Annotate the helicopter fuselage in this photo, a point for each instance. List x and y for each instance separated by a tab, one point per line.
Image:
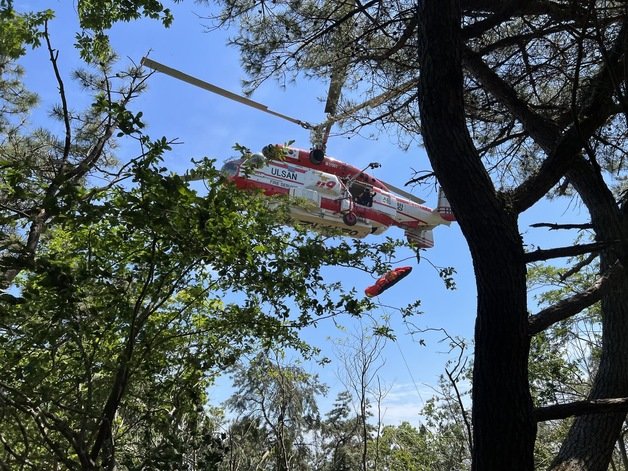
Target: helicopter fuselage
335	195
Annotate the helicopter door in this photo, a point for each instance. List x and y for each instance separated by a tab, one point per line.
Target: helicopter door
365	195
362	194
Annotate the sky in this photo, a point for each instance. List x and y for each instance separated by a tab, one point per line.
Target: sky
209	125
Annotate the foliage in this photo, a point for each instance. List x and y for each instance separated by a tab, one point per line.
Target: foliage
404	448
341	439
15	100
276	403
534	95
285	39
444	427
564	357
20	30
123	302
98	16
44	174
127	291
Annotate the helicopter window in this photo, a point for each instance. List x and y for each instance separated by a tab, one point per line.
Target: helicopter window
252	162
256	161
230	169
362	194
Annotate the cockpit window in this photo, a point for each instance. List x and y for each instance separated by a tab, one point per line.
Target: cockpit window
230	169
252	162
256	161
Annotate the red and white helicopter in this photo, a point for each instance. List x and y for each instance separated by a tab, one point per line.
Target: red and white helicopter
328	193
334	194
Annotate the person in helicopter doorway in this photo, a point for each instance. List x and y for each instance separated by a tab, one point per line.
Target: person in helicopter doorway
366	197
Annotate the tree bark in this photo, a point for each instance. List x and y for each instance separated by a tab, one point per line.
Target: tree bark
504	428
590	441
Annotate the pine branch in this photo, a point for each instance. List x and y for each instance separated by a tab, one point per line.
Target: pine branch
561	147
505	10
570	307
571	251
502	13
578	408
554	226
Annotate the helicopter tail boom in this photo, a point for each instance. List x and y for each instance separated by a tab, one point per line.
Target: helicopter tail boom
443	207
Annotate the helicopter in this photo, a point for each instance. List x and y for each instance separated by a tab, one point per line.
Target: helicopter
326	193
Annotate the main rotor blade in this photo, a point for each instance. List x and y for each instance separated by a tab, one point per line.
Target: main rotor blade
220	91
371	103
404	193
338	77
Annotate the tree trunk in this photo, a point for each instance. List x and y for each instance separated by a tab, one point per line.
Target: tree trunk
590	441
622	451
503	425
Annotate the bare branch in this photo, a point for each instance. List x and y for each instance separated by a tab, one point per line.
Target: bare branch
578	408
64	104
554	226
571	251
579	266
454	384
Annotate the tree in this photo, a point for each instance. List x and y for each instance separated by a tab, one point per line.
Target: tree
342	444
517	100
513	97
247	445
404	448
279	402
114	319
360	353
562	150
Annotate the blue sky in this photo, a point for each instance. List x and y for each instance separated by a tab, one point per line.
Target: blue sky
209	125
